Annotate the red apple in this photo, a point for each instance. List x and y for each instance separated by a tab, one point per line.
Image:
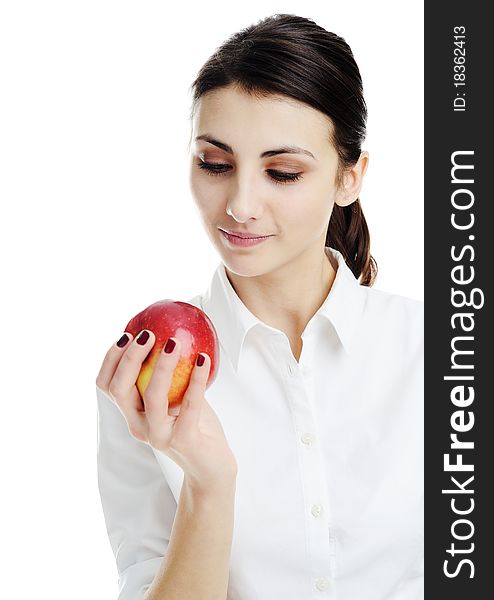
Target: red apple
196	333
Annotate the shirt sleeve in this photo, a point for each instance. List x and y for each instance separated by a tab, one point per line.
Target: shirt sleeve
138	505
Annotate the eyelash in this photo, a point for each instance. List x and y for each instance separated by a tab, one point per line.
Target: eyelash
278	177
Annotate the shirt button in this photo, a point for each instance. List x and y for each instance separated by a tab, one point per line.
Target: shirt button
291	369
316	510
307	438
322	584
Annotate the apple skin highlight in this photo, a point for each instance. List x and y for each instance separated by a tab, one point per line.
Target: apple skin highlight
195	332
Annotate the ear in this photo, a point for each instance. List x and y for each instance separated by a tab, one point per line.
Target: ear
352	181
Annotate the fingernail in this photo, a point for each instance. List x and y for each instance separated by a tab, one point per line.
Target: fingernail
123	340
200	360
143	337
170	344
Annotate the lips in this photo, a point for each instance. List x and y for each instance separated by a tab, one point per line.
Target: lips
245	236
235	241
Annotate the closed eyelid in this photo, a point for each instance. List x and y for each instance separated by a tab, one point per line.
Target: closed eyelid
276	164
291	169
278	177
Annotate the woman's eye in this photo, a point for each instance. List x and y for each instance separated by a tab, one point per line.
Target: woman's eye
276	176
282	177
213	168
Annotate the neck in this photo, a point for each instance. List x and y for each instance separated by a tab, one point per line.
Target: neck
288	297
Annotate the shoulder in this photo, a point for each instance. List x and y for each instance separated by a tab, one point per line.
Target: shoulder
397	319
391	305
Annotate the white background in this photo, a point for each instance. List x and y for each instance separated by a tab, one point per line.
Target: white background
98	222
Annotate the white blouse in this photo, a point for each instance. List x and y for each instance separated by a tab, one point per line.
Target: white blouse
329	493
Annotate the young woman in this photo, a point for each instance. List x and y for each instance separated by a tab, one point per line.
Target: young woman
300	475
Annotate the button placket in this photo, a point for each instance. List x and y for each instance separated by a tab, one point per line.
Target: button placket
300	395
322	520
314	483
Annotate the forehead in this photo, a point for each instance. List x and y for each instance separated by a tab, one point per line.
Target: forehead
238	118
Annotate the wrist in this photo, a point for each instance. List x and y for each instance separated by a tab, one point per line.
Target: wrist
219	489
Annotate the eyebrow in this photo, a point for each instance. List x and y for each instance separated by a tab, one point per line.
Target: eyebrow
281	150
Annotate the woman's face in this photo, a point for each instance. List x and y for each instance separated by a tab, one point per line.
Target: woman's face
245	186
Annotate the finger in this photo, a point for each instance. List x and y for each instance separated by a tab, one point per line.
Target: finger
122	386
130	364
111	360
193	399
156	394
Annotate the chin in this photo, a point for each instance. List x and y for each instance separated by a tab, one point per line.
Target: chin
239	267
244	266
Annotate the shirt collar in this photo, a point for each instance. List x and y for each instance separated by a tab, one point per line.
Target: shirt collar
342	307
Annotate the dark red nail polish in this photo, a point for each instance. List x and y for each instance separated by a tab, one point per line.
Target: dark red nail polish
143	337
200	360
123	340
170	344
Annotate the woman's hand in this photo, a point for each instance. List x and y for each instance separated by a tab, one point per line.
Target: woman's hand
194	438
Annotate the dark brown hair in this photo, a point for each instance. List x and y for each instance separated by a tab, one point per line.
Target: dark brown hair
291	55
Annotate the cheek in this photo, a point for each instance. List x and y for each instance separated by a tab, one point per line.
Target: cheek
207	198
195	186
307	212
320	202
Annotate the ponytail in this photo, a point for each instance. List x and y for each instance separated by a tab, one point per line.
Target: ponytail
348	233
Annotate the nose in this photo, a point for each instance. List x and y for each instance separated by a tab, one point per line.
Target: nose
243	203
